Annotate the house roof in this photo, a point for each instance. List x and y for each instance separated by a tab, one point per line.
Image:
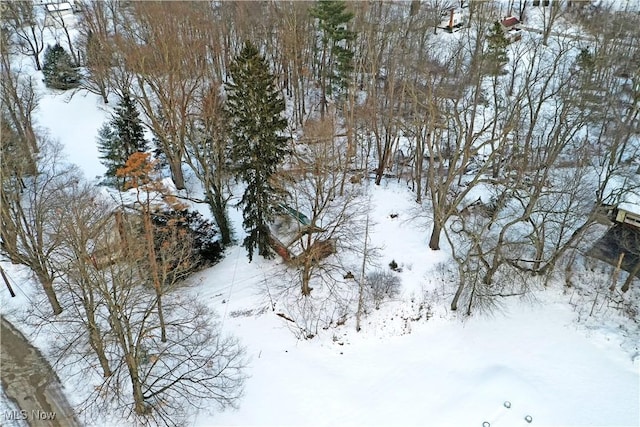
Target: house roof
510	21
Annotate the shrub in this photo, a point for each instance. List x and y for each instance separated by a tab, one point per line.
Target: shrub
382	284
189	234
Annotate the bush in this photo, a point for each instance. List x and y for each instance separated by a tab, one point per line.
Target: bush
189	234
58	69
382	284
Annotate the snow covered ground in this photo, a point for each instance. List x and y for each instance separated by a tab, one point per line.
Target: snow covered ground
413	362
436	371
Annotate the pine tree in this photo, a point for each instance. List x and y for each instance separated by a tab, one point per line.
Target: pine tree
497	44
335	61
254	109
118	139
58	69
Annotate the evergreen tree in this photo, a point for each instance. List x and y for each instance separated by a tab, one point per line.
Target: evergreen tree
254	109
118	139
497	44
335	59
585	67
58	69
585	60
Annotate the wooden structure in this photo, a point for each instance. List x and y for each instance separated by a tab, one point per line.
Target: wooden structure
620	245
511	28
625	217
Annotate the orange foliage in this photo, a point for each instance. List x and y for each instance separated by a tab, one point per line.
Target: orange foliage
137	170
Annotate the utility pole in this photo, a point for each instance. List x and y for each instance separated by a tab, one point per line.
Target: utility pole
6	281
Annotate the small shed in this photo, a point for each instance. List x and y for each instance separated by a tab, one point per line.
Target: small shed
620	245
511	28
625	217
510	22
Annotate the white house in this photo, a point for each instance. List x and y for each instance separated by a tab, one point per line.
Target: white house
453	19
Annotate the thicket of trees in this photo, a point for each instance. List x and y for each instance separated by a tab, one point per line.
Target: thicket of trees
303	103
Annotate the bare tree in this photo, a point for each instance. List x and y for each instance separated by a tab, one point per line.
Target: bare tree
96	36
26	24
333	220
19	101
170	67
544	200
206	150
551	13
89	241
156	382
32	214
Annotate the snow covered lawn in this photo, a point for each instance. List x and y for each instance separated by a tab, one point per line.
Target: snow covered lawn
443	373
436	372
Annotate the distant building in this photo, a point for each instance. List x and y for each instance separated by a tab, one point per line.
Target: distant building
511	28
61	7
58	12
453	19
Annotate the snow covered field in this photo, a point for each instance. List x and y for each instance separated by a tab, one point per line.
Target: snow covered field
414	362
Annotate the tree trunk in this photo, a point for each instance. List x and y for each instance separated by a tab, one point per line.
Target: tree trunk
219	211
175	164
36	58
418	165
456	297
140	407
47	285
434	241
6	282
306	278
154	272
95	341
362	272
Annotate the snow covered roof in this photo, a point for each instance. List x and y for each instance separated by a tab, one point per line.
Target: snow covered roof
59	7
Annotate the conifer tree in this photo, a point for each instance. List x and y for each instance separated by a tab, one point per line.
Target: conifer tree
254	109
58	69
334	57
497	44
118	139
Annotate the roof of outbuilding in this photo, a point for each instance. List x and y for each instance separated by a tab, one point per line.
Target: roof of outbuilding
510	21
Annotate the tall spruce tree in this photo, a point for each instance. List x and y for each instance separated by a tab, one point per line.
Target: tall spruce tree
496	54
118	139
334	58
254	109
58	69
